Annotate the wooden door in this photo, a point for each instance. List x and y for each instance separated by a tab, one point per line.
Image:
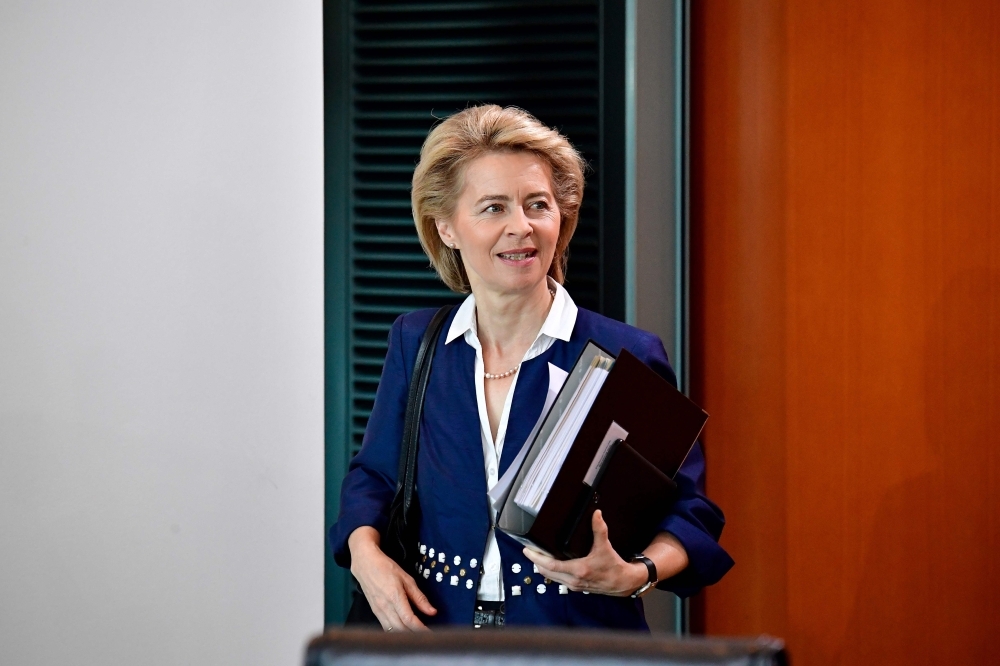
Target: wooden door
846	304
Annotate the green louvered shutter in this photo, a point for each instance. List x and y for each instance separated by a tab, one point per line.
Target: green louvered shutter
393	70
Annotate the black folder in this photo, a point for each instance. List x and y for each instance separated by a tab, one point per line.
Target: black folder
634	486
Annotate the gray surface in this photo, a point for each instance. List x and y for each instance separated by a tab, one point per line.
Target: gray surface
657	273
543	646
539	660
161	349
656	223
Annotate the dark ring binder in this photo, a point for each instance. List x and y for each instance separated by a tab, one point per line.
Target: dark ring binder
633	488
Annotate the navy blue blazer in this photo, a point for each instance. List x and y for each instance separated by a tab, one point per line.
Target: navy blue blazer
451	481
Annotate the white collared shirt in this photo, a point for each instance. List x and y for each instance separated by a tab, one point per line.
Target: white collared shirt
558	325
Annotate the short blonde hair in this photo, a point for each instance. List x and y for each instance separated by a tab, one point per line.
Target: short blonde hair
477	131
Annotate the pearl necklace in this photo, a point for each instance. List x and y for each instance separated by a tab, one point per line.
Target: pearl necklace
490	375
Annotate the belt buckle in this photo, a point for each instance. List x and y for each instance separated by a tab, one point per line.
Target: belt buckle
488	618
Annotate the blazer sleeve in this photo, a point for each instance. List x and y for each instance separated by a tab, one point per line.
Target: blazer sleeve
370	484
694	519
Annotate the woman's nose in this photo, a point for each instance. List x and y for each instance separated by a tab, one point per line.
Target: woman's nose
518	223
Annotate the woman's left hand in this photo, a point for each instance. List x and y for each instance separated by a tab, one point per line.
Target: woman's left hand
602	571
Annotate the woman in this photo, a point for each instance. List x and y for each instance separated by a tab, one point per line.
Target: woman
495	198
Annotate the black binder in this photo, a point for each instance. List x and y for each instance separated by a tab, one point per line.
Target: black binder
634	486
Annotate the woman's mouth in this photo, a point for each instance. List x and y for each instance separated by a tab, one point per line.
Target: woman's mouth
518	257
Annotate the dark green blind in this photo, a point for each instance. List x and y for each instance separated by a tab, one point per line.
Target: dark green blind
393	69
412	63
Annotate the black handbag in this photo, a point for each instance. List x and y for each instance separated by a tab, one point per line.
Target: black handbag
399	540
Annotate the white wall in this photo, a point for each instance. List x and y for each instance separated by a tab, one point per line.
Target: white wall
161	331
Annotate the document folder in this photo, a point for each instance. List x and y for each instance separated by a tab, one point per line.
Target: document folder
632	436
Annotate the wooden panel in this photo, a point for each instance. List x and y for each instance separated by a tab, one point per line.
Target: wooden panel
738	285
847	262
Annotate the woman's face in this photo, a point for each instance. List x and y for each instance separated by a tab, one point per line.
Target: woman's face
506	222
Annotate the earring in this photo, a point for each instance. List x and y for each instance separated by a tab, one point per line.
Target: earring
451	245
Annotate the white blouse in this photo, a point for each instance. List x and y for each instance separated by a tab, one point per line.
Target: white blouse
558	325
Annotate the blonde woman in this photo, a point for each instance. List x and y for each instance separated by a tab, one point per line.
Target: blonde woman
495	198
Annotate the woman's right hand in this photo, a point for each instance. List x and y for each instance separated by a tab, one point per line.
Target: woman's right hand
388	588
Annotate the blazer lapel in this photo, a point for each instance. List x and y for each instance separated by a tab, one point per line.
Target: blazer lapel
466	408
526	406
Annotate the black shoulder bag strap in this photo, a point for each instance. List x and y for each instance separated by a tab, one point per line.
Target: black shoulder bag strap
400	541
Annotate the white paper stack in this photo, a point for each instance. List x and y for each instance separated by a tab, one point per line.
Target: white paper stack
536	485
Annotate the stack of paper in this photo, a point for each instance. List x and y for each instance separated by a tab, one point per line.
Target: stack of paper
536	485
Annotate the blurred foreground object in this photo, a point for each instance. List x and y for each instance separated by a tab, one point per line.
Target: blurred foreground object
523	646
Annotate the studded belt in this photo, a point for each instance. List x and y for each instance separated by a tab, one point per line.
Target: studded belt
489	615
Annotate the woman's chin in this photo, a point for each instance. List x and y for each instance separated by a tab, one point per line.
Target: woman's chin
524	285
502	278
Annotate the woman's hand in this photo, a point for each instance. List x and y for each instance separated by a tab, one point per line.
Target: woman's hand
603	571
388	588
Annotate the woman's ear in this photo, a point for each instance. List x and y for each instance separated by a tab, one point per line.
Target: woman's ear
445	232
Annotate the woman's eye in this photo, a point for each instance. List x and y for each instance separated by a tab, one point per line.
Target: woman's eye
493	208
539	205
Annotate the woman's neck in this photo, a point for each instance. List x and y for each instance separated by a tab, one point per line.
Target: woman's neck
506	321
